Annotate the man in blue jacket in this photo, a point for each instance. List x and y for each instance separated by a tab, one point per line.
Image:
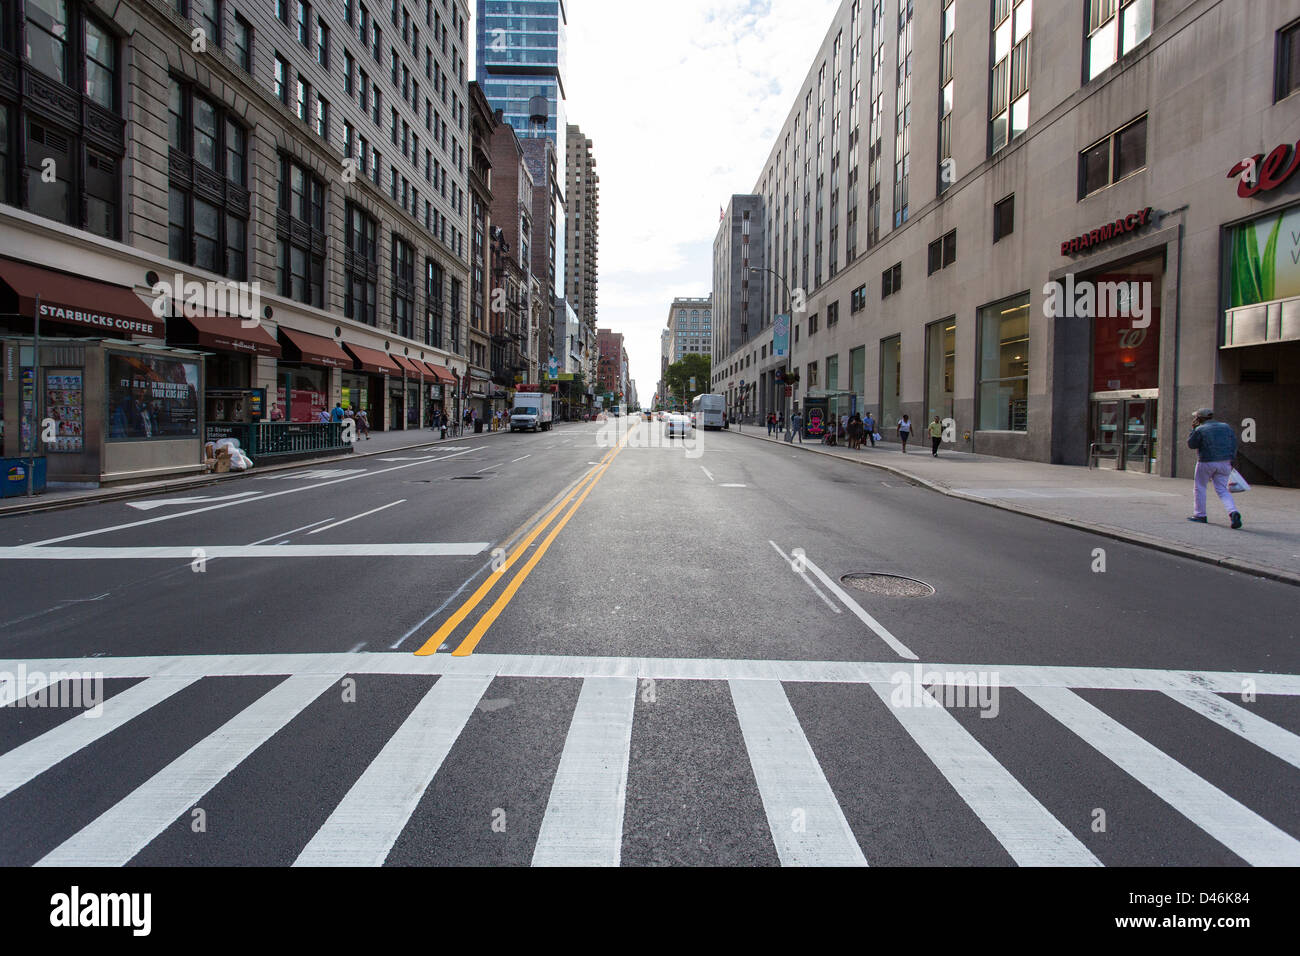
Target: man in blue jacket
1216	446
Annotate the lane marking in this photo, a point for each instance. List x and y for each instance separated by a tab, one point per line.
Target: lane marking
1233	824
210	551
1244	723
426	458
131	824
367	822
732	486
520	459
431	645
441	607
285	534
481	627
363	514
230	504
313	474
164	502
1024	827
488	468
28	761
706	471
583	824
806	580
881	631
807	824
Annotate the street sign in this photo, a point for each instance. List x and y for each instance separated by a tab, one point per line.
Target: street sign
692	383
781	335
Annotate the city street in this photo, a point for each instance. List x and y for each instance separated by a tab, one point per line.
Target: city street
597	646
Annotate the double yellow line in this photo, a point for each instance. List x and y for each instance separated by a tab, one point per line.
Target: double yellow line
466	647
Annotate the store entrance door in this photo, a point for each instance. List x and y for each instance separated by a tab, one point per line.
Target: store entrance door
1124	434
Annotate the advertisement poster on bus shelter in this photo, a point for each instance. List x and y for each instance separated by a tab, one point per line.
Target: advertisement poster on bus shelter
814	417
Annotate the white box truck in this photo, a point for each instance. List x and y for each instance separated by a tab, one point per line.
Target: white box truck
532	410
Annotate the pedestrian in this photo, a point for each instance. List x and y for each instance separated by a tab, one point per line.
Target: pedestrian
855	431
336	414
1216	447
869	429
771	424
936	436
796	423
325	416
363	423
904	431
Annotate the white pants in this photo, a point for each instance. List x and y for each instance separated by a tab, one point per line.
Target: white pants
1217	472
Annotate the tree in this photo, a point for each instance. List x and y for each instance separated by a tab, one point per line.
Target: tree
680	374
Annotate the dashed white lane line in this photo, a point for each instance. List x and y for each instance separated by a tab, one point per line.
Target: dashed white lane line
285	534
732	486
806	580
520	459
363	514
210	551
706	471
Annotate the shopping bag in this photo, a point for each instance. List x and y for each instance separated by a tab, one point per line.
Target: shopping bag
877	437
1236	483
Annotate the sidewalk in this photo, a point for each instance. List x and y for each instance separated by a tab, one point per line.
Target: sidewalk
379	443
1139	508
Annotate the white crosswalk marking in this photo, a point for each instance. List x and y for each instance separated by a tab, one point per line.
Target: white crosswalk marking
28	760
583	825
1021	824
1237	827
127	827
364	826
808	826
1249	726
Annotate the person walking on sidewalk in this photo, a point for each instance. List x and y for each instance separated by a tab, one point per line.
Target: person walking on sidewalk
904	431
363	423
1216	447
771	424
869	429
936	436
796	427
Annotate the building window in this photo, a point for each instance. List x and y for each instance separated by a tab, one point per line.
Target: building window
1004	217
207	15
322	43
947	89
301	266
832	314
241	44
455	316
301	97
1003	363
1288	61
207	218
812	375
322	118
403	288
891	280
812	324
1009	90
304	28
1115	28
1119	155
943	252
858	300
360	265
281	80
433	315
282	11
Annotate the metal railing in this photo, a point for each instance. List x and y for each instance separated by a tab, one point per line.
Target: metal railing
269	439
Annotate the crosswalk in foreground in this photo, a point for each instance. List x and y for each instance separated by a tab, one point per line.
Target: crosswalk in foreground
583	822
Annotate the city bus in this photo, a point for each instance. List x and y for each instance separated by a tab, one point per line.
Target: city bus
707	411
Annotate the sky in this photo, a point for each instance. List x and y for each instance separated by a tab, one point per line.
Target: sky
682	100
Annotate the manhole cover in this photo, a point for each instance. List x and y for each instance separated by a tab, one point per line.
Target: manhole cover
889	585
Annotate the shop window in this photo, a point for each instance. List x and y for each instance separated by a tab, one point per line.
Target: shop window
1115	28
1003	364
1119	155
301	263
361	265
1288	61
1004	217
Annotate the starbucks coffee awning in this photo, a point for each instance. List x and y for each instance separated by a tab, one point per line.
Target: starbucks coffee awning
314	349
373	360
227	334
87	304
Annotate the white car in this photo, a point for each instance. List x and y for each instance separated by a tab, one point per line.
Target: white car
678	425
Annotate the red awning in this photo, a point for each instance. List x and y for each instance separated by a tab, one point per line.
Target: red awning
373	360
91	305
227	333
406	364
441	373
316	349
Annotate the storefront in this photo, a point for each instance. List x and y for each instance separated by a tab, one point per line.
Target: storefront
230	394
363	389
303	375
404	402
439	391
480	395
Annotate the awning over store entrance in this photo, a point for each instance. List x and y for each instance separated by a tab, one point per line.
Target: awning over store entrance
373	360
441	373
314	349
408	365
88	304
227	333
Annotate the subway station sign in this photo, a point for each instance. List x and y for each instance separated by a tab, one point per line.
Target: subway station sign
1107	233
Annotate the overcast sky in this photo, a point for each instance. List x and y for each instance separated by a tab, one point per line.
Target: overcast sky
682	100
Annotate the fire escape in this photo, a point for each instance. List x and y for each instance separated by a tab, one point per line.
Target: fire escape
508	325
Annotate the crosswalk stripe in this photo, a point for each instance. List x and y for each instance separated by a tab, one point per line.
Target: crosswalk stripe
29	760
807	824
583	825
1012	814
364	826
126	828
1236	826
1250	726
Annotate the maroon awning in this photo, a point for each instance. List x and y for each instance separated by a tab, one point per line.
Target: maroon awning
373	360
227	334
91	305
441	373
316	349
408	365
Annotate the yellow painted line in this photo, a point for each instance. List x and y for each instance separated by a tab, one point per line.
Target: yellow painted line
433	643
467	646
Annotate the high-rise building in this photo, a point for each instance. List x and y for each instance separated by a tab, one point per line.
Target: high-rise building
690	327
582	240
610	364
738	295
485	355
314	155
512	215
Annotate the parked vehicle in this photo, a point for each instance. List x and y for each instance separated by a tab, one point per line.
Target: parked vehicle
534	411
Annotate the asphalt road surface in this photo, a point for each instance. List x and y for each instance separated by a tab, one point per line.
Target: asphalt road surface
596	646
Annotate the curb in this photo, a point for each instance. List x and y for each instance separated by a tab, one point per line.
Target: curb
1117	534
203	481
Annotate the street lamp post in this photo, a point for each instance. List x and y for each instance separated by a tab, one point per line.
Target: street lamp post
790	342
